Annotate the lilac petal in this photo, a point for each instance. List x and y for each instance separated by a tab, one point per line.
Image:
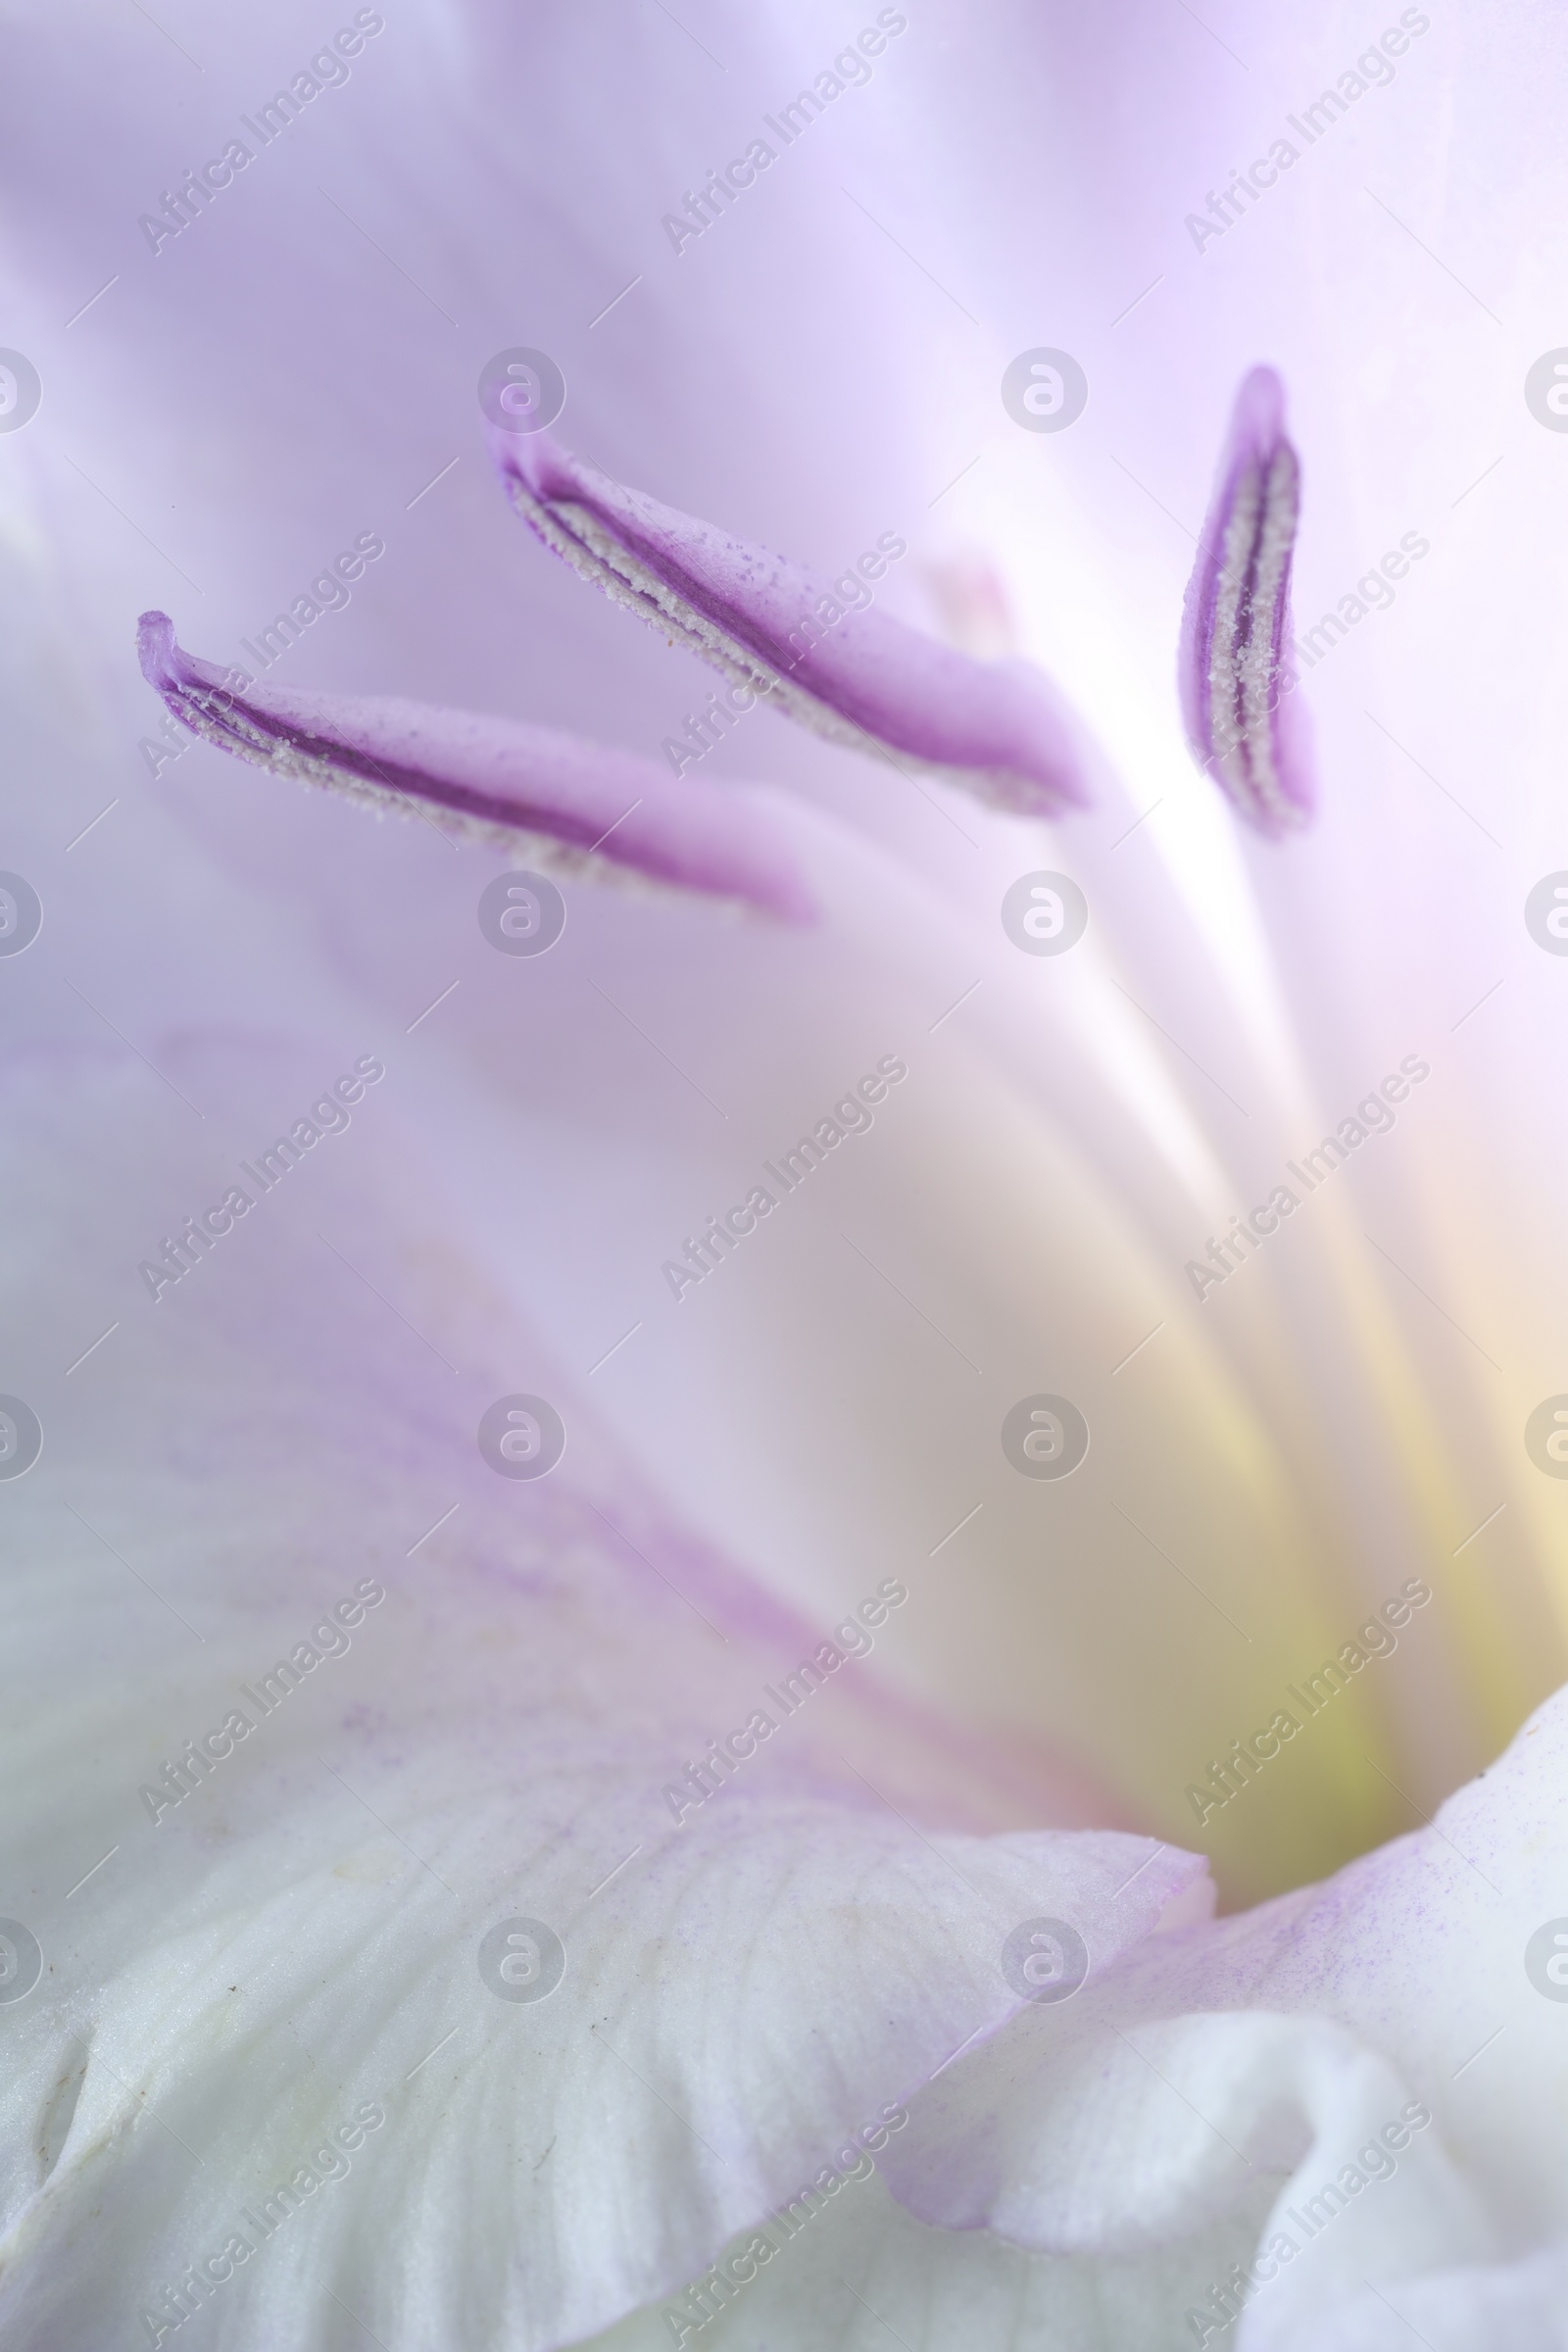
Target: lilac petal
760	1957
1242	724
774	629
576	805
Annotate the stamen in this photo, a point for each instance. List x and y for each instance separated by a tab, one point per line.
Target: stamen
570	806
1243	724
821	652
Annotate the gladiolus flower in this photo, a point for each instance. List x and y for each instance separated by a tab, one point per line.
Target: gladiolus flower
839	1628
